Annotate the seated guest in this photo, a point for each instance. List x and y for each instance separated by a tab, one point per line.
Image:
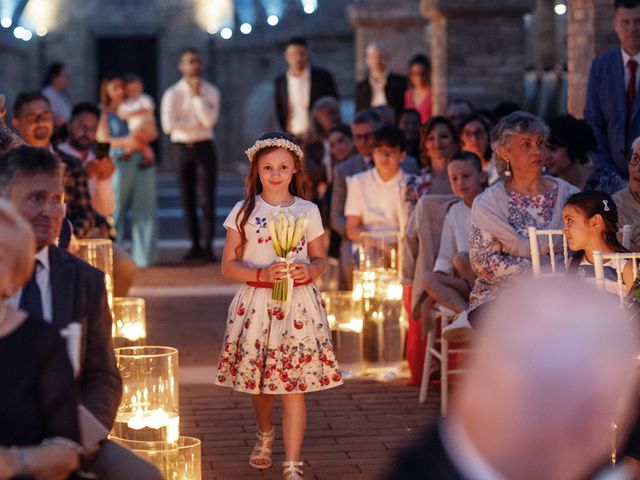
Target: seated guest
419	96
555	364
438	143
381	87
374	197
409	123
450	282
325	114
570	142
590	222
33	120
81	129
628	199
474	138
500	217
457	111
64	290
39	433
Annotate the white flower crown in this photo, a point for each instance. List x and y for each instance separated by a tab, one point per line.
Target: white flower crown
273	142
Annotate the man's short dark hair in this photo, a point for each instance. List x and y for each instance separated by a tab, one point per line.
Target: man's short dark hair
389	136
368	115
470	157
410	111
55	69
84	107
626	4
301	41
26	160
132	77
186	50
27	97
343	128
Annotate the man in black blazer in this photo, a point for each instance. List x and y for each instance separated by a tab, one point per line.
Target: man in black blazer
547	377
69	290
381	87
299	87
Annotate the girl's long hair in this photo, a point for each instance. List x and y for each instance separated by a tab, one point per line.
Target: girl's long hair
592	203
299	187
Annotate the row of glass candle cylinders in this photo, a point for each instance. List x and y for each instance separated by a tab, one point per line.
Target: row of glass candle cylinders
368	325
148	418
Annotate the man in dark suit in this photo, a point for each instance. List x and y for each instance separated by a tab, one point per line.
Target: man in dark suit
299	87
612	106
64	289
381	87
538	398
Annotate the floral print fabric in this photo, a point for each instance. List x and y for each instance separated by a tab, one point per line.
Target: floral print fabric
496	269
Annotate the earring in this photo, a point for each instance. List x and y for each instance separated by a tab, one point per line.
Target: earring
507	172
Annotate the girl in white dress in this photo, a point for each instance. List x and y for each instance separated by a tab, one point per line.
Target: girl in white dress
590	221
267	350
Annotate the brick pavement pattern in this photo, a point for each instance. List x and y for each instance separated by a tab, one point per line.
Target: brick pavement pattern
354	431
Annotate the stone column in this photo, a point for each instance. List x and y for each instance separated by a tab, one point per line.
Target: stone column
590	33
477	50
395	23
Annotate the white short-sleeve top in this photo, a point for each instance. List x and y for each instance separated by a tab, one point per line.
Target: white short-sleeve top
259	251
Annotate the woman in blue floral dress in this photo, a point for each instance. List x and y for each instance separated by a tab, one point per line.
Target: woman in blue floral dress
498	240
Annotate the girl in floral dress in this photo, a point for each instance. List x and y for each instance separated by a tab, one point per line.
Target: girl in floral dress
269	350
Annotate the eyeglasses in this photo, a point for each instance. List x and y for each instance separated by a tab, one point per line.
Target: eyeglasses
634	160
38	117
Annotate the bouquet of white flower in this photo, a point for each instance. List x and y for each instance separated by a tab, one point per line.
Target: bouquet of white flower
285	231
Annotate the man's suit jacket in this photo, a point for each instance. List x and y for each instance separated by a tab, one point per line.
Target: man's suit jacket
322	84
606	112
425	460
79	295
394	91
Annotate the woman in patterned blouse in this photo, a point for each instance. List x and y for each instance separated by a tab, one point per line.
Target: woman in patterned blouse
498	241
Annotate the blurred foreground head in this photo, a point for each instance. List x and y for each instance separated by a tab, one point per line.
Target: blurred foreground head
553	368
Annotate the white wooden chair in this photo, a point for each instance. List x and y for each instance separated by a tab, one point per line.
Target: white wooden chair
442	316
617	260
534	233
73	336
625	232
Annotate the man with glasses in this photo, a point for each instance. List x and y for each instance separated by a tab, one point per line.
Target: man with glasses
33	120
612	105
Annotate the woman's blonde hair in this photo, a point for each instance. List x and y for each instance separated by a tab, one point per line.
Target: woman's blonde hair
22	247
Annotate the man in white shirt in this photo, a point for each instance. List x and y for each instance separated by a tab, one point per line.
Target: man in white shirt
381	87
551	372
81	129
189	113
297	90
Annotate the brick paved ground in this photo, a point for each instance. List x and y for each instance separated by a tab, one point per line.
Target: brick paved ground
353	431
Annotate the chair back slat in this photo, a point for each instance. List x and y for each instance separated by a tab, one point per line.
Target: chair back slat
619	259
534	233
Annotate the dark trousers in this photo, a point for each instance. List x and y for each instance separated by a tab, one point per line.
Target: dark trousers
197	170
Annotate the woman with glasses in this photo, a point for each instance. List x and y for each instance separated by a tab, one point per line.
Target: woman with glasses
628	199
474	138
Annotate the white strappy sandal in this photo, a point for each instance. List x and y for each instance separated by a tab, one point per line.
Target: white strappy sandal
292	470
261	453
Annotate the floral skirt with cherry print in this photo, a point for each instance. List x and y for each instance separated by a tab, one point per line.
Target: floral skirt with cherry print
266	352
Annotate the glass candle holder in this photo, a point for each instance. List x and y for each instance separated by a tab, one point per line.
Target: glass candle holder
149	408
379	249
345	318
180	460
129	321
98	253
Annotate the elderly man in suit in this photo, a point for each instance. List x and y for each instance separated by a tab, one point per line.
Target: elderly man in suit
64	289
612	105
538	398
381	87
298	89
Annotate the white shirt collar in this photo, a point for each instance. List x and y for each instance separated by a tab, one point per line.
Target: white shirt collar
383	82
626	57
306	74
463	453
397	178
43	257
69	150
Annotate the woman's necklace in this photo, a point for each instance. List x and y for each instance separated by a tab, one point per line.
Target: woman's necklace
635	196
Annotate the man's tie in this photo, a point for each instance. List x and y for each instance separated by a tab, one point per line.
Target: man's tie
31	299
631	87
